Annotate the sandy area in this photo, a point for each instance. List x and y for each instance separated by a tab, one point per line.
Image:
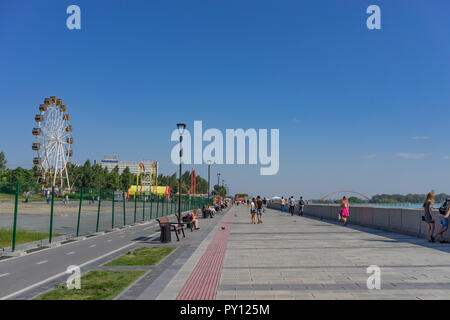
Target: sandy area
44	208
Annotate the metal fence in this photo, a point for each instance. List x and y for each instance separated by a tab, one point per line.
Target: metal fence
30	214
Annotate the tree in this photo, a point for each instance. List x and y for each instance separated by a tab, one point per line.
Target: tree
221	190
113	179
86	178
100	175
96	177
202	185
26	179
2	162
355	200
173	183
126	179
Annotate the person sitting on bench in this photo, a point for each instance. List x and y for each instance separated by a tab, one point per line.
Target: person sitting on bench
195	218
212	212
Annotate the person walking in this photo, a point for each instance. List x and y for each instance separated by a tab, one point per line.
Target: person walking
259	208
253	211
301	206
345	210
291	205
428	216
283	202
264	204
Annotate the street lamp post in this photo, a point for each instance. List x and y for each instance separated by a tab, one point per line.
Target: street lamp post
209	184
218	179
181	127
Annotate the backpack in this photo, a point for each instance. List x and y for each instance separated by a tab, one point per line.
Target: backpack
301	202
445	207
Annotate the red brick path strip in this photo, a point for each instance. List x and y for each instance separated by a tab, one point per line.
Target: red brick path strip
203	282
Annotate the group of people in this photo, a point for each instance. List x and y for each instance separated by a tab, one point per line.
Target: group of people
48	197
257	207
291	203
343	210
209	211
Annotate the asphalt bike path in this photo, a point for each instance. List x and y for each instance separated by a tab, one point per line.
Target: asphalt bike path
19	274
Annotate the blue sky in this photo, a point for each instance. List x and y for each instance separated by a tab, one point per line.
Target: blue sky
357	109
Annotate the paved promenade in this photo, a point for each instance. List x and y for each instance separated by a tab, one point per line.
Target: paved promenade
305	258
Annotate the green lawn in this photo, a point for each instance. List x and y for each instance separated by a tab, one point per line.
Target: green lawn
95	285
22	236
144	256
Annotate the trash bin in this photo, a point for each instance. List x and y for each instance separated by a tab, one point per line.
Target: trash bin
165	233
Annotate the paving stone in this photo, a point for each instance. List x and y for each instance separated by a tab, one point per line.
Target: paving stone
303	258
312	259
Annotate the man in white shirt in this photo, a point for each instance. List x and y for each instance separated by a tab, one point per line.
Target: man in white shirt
291	205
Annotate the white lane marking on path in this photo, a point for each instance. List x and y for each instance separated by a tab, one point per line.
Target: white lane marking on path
109	240
71	252
91	246
42	262
50	248
4	275
63	273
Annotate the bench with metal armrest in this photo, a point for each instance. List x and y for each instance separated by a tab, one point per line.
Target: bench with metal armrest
174	226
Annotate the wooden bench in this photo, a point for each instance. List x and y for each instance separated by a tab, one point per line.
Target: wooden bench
189	223
174	226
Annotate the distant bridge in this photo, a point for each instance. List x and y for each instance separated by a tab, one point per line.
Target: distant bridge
345	191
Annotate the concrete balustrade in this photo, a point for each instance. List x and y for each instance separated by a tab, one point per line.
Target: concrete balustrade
404	221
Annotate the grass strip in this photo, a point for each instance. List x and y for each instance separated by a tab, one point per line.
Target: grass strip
95	285
143	256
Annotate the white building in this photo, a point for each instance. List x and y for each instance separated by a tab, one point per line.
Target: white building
110	162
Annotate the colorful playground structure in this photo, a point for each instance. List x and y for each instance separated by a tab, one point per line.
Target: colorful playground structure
147	183
160	191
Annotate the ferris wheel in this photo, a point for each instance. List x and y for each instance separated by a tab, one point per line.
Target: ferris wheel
53	144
